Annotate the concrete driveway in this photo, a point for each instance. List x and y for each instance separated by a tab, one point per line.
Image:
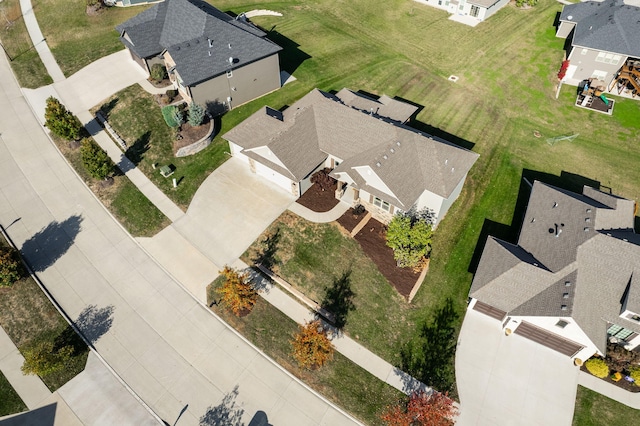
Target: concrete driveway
99	80
230	210
510	380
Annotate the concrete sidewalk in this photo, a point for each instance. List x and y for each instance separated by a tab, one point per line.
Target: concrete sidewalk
39	42
30	388
324	217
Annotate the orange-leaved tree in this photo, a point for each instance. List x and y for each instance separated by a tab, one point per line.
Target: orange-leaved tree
434	409
311	346
236	292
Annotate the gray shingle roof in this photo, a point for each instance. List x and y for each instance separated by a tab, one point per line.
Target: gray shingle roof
598	266
321	123
384	106
609	26
184	28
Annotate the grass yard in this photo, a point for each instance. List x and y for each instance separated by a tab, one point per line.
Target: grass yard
132	209
594	409
10	402
341	381
24	59
28	317
75	38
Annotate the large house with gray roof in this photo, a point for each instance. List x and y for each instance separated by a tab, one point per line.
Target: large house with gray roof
604	36
573	279
378	160
212	58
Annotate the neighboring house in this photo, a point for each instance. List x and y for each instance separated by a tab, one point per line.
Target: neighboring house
573	279
480	9
212	58
603	37
378	161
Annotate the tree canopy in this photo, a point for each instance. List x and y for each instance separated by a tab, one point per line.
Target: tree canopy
60	120
410	239
10	267
96	160
435	409
237	293
311	346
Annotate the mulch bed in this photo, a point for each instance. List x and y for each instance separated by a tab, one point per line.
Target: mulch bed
318	200
372	241
191	134
350	220
622	383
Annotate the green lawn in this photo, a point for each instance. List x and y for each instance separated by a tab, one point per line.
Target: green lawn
593	409
24	59
341	381
121	197
77	39
28	317
10	402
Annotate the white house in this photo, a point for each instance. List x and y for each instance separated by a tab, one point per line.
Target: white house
573	279
378	160
481	9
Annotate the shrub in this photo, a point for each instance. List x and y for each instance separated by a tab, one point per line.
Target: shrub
10	267
435	409
196	114
60	120
172	116
158	72
409	239
597	367
311	346
42	358
236	293
96	160
634	373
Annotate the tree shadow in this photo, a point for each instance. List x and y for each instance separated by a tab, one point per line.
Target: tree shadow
94	322
46	246
227	413
291	56
429	356
268	256
135	152
108	107
509	233
338	299
260	419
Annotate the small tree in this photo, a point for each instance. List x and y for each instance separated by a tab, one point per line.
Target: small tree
236	293
158	72
196	114
60	120
311	346
42	358
435	409
96	160
410	240
10	267
597	367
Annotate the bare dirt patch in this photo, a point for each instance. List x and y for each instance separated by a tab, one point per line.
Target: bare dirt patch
372	241
350	219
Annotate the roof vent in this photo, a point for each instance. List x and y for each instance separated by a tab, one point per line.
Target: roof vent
535	264
453	169
378	164
565	295
588	210
533	219
586	229
567	283
210	42
446	160
229	45
587	219
555	204
231	59
385	156
563	307
398	143
570	17
392	150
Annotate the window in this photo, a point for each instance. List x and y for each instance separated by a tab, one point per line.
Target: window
608	58
562	324
382	204
229	73
599	75
474	11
